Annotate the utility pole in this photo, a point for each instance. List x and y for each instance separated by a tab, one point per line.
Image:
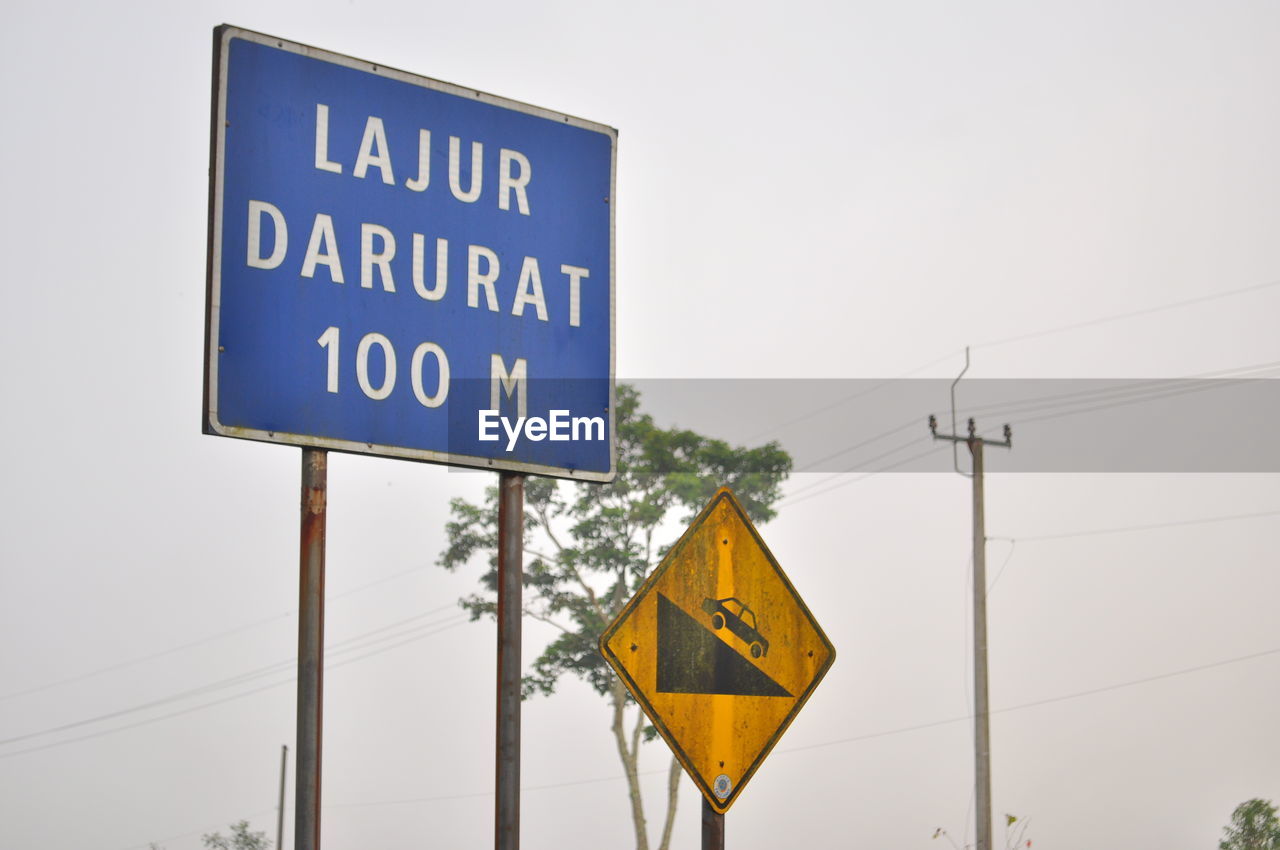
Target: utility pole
981	711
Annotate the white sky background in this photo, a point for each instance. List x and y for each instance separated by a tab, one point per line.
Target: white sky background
805	190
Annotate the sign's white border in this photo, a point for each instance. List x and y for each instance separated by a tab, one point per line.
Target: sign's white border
222	36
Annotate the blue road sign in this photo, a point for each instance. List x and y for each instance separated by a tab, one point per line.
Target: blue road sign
402	267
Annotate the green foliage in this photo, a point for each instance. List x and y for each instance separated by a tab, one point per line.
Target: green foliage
1015	833
1253	827
241	839
589	546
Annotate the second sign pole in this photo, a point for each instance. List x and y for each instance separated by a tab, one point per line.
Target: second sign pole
510	612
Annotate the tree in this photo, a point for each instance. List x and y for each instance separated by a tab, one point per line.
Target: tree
1253	827
589	547
241	839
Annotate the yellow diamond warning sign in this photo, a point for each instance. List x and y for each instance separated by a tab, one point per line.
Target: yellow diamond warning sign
719	650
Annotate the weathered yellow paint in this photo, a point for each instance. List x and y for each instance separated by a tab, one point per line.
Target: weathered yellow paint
717	734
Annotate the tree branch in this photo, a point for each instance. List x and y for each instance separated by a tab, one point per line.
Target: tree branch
573	570
546	527
673	797
635	732
629	758
537	615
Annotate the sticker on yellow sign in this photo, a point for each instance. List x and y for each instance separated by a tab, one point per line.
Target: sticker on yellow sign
719	650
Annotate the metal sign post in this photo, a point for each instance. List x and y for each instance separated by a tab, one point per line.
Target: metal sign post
315	495
712	827
510	612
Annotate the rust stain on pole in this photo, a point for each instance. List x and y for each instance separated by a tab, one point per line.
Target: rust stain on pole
315	468
510	609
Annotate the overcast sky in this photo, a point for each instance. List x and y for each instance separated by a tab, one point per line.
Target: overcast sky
804	190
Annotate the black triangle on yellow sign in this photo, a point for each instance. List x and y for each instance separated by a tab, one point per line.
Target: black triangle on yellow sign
692	660
719	650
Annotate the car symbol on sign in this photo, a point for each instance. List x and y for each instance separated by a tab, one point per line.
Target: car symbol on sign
740	619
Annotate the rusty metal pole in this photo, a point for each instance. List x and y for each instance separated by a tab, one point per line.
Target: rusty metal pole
712	827
315	469
981	713
510	611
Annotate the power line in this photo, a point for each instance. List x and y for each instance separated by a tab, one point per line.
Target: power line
1007	558
1115	317
1168	390
146	722
199	642
220	701
1146	527
140	659
248	676
915	421
1125	393
337	648
794	493
845	400
932	450
1035	703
